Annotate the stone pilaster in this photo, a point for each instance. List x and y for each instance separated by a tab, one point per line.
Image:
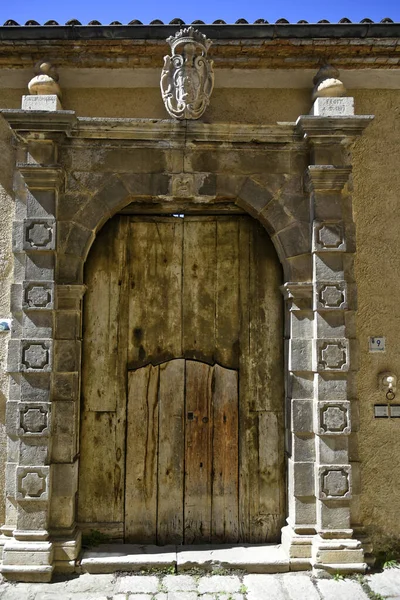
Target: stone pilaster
334	352
298	534
28	552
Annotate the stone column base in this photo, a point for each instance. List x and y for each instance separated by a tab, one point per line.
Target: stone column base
66	551
298	547
342	556
27	561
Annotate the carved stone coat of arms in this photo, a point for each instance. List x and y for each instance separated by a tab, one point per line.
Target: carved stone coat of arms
187	78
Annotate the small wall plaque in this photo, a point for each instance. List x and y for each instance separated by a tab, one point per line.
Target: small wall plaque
395	411
5	325
377	344
381	411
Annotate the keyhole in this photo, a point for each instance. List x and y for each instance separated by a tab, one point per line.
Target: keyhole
190	416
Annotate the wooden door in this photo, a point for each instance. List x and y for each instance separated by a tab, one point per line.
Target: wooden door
178	303
182	454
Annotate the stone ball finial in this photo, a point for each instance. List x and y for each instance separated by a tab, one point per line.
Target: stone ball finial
45	80
327	83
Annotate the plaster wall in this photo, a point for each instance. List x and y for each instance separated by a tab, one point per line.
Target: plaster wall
376	182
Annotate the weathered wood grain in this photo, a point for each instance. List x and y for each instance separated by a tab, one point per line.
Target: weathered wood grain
171	453
142	455
225	449
198	453
155	308
199	274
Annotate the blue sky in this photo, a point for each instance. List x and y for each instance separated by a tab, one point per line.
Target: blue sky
207	10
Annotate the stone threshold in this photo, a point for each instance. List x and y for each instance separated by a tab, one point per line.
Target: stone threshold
251	558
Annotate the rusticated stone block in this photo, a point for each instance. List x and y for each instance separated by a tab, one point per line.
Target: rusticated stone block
334	482
28	419
333	418
32	483
38	295
328	236
36	356
39	234
332	354
330	295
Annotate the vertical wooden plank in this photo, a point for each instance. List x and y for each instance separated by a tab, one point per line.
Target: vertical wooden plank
245	393
155	263
198	449
102	436
142	455
99	474
224	519
227	325
171	453
199	277
104	322
270	480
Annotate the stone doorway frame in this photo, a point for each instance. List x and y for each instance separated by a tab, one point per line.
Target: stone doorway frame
72	175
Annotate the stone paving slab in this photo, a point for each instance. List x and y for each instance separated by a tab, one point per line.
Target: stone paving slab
343	590
260	587
300	587
281	586
387	583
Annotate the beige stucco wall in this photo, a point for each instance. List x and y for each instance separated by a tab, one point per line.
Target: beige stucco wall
7	160
376	199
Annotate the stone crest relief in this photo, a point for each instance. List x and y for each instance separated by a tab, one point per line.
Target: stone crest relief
187	78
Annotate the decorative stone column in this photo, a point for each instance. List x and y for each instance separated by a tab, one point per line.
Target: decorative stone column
33	483
334	347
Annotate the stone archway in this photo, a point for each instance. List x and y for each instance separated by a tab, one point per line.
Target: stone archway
104	167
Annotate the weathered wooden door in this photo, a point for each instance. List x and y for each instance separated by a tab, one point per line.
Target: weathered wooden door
182	454
182	318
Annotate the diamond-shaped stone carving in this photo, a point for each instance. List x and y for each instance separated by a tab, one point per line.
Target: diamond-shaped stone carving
334	483
332	355
33	420
39	235
35	356
331	295
32	483
334	418
329	236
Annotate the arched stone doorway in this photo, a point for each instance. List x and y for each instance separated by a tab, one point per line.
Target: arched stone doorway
182	423
77	174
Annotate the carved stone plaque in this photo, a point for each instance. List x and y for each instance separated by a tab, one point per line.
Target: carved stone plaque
329	236
332	355
38	295
33	420
331	295
35	355
39	234
333	418
32	483
334	482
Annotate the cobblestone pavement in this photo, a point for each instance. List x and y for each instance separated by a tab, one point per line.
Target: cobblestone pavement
288	586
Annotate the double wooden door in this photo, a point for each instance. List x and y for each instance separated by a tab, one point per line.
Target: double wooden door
182	454
182	415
